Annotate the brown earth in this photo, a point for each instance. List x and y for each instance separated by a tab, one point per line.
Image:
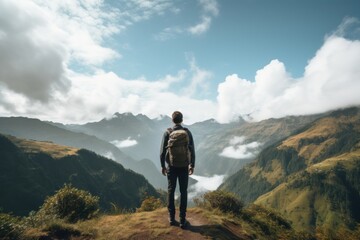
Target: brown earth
155	225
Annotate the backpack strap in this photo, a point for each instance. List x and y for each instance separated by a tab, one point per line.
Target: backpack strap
169	130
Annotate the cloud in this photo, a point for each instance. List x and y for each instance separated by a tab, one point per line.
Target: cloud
330	81
349	28
91	98
238	150
40	40
139	10
201	27
168	33
125	143
30	64
109	155
205	184
199	81
82	27
210	9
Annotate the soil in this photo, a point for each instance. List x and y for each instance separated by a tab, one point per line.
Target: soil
198	228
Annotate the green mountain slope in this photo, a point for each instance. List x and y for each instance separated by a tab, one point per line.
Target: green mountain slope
326	194
146	133
38	130
31	170
312	175
265	133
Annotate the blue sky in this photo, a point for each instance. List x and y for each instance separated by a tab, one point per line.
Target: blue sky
82	60
243	37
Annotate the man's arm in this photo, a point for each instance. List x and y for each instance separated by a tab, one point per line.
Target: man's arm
164	142
192	149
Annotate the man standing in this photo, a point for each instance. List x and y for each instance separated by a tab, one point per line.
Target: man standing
178	151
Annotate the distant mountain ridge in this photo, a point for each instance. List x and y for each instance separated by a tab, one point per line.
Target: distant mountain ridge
311	177
44	131
264	133
145	132
31	170
210	137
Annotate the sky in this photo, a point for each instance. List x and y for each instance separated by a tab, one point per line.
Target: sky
76	61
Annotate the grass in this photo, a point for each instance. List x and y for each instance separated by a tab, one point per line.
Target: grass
347	160
323	128
254	222
54	150
125	226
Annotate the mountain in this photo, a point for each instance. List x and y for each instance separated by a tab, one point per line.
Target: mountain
211	138
143	134
311	177
138	137
43	131
31	170
244	140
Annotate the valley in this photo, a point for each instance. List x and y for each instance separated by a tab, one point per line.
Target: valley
306	168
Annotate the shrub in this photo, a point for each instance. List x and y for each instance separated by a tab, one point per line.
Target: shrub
9	226
71	204
150	204
224	201
62	231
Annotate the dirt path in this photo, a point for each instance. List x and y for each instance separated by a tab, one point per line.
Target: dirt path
155	225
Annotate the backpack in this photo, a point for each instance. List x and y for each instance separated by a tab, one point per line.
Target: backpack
178	153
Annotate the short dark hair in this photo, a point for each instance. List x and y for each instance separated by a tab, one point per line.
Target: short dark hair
177	117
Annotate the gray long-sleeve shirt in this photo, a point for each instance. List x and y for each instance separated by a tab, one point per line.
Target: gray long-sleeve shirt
164	143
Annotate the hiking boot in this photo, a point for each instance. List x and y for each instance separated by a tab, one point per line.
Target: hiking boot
183	223
172	221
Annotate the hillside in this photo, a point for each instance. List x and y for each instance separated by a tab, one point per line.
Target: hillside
326	194
263	133
31	170
311	176
256	223
210	137
42	131
145	133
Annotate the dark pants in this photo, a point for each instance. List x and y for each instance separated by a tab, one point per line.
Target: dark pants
172	175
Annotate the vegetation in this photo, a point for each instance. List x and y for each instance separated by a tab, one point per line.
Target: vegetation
34	174
150	204
310	177
9	226
71	204
224	201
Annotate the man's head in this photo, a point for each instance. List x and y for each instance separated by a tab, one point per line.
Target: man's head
177	117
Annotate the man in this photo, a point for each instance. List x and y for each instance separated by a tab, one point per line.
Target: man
177	150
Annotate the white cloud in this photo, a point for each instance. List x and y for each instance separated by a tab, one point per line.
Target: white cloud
205	184
125	143
39	40
199	82
238	150
210	9
168	33
30	64
91	98
330	81
201	27
82	27
109	155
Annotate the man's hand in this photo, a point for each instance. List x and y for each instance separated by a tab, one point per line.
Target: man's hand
164	171
191	170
